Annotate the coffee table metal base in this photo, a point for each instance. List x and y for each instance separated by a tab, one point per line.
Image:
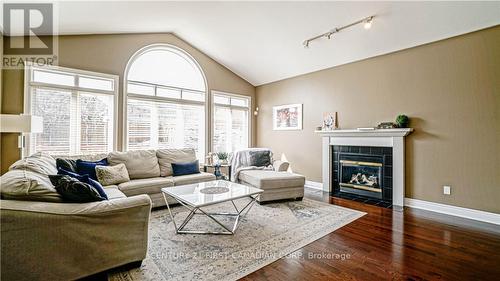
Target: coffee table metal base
198	211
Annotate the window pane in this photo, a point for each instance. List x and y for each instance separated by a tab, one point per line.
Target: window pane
239	101
168	93
94	83
181	126
221	100
53	78
139	117
96	134
154	125
239	129
55	108
141	89
168	67
194	96
230	129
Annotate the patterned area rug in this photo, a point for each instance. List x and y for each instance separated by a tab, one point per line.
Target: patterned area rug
267	233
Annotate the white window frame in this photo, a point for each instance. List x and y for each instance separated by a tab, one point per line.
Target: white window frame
131	61
212	110
29	84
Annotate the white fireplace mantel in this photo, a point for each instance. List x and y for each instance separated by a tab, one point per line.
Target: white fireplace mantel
380	137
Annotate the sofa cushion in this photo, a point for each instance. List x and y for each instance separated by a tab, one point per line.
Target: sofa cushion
39	162
141	164
25	184
188	168
75	190
194	178
260	158
114	193
108	175
88	167
268	179
66	164
145	186
168	156
85	179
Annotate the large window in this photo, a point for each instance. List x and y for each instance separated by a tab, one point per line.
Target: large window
230	122
77	107
165	101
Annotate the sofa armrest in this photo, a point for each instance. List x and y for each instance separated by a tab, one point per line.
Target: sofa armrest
50	239
280	166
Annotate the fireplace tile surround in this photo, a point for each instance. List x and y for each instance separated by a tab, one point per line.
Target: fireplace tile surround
365	140
381	155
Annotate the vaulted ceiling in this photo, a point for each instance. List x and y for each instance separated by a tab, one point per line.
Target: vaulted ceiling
262	41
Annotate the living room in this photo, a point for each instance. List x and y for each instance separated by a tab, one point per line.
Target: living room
250	140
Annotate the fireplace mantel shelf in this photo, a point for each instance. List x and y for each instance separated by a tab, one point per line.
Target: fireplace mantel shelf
399	132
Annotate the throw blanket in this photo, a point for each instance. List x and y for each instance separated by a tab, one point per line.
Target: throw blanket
250	159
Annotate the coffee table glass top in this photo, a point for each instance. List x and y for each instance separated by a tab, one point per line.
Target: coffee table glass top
208	193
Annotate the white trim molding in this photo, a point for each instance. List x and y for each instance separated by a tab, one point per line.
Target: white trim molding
314	185
453	210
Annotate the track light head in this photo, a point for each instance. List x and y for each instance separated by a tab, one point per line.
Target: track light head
306	44
368	23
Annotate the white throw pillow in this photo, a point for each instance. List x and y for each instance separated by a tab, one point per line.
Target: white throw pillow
141	164
168	156
109	175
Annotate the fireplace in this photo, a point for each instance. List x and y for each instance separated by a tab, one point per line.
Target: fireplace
362	171
386	143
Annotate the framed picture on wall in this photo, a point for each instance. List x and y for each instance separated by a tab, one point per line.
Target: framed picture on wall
287	117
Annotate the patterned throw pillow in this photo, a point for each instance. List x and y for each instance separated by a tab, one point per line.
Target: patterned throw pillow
260	158
109	175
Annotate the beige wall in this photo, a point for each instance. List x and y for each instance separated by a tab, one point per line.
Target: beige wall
450	89
110	54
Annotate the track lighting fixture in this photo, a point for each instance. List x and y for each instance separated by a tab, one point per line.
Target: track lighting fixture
367	24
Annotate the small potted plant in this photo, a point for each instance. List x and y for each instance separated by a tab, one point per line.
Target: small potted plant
402	121
222	156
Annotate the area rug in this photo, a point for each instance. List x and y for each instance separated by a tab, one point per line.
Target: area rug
267	233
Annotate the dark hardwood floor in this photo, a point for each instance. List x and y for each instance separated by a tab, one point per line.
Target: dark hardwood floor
390	245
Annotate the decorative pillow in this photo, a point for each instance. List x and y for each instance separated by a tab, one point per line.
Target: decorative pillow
108	175
67	164
88	167
261	158
73	190
85	179
39	162
168	156
20	184
141	164
189	168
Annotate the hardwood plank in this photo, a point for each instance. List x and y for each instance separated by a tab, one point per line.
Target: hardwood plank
392	245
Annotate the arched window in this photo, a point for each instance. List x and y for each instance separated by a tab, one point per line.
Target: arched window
166	94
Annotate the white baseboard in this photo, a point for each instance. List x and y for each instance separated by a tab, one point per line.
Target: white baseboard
453	210
314	185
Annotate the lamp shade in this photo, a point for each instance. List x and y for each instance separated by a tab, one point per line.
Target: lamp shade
23	123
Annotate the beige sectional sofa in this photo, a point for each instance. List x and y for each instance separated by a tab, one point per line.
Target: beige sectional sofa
150	171
66	241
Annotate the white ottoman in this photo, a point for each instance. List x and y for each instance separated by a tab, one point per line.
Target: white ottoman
276	185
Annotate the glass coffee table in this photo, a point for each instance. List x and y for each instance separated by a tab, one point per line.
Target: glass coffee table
194	197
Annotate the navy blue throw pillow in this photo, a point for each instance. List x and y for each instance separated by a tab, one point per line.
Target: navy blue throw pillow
188	168
88	167
73	190
85	179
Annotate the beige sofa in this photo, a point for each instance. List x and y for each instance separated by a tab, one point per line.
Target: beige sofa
66	241
150	171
